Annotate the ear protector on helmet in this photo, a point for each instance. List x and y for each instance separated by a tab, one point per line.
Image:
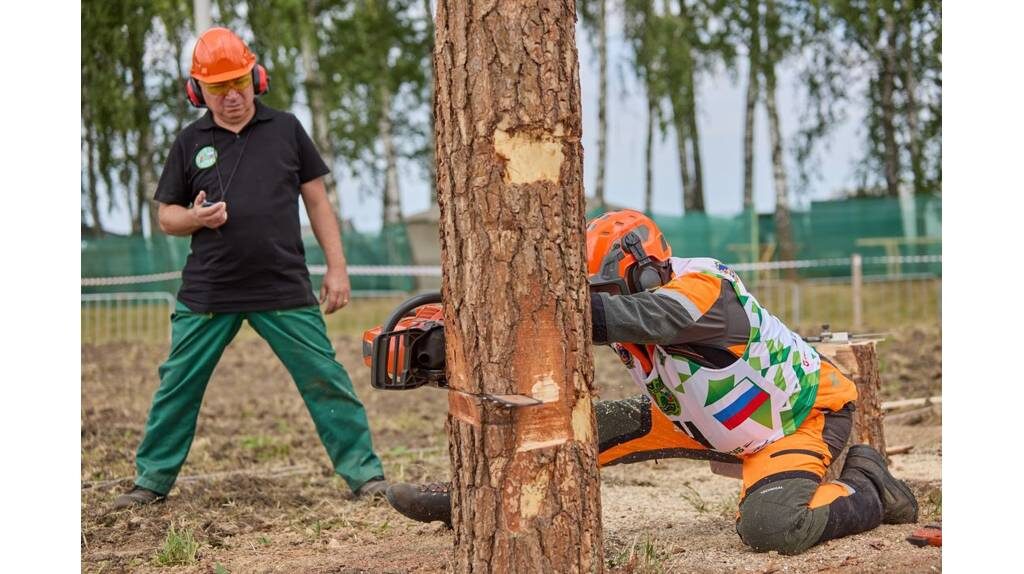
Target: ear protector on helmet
647	273
260	86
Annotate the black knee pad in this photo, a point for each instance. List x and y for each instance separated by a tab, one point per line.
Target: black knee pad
775	516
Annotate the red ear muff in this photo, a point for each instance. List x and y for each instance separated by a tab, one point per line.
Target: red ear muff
193	94
260	80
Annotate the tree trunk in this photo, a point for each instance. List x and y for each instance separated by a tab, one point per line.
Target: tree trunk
91	193
652	114
130	193
695	202
314	95
602	101
431	163
145	182
753	91
783	225
525	492
891	152
913	129
392	199
680	123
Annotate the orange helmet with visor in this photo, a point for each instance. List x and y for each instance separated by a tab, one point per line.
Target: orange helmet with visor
626	253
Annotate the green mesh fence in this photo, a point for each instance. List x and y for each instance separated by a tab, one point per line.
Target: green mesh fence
875	228
113	257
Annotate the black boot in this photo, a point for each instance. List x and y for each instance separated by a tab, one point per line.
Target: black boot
424	502
137	497
898	502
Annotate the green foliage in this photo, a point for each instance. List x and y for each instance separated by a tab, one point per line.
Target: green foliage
847	47
179	549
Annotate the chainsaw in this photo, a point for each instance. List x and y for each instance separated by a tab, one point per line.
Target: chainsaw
407	351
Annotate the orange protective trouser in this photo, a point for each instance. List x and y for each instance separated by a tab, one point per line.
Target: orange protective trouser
634	430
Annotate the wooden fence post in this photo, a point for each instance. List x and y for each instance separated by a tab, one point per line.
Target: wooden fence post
857	280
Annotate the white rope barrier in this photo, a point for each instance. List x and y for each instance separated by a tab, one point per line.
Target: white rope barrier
435	270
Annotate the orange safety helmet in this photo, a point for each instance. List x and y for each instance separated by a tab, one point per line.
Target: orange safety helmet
626	253
220	55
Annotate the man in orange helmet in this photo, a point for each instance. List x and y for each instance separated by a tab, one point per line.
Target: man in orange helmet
249	268
724	380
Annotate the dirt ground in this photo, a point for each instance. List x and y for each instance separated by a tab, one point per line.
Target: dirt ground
258	495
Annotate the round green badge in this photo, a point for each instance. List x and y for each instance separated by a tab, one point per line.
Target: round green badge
206	157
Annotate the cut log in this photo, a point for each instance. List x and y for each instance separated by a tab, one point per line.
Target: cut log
859	361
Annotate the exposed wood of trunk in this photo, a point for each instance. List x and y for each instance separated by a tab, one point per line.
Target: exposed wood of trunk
652	114
315	97
753	91
859	361
392	199
888	72
783	223
679	121
602	101
510	189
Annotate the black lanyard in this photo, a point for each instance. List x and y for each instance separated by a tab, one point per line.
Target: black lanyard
241	153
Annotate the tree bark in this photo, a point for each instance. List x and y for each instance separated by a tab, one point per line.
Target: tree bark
753	91
314	95
525	494
888	72
859	361
602	101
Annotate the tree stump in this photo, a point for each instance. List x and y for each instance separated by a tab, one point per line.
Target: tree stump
859	361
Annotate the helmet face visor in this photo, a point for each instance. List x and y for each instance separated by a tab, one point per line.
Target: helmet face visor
613	287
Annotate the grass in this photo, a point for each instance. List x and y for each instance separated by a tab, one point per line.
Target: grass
643	555
265	448
693	497
179	549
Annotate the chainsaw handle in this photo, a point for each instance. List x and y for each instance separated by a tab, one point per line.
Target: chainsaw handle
409	305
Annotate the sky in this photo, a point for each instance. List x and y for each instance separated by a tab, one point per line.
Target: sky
721	103
722	100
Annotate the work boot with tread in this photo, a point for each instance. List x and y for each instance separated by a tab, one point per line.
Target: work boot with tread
372	489
423	502
137	497
898	502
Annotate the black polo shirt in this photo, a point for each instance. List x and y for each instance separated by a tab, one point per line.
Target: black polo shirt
255	261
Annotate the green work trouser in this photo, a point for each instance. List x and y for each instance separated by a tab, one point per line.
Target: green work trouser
299	339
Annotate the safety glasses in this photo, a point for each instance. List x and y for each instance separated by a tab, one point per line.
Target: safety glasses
238	84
